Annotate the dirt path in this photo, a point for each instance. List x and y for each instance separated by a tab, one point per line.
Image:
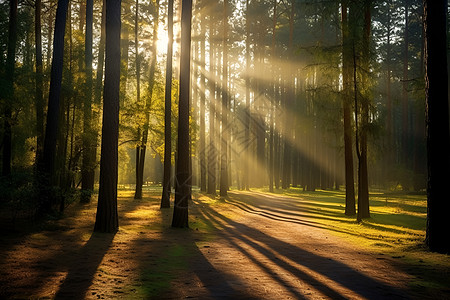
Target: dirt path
251	246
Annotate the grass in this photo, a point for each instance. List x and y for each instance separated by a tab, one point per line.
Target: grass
397	221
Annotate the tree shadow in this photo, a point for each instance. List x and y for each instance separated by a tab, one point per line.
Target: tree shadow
84	266
176	267
299	262
297	211
57	251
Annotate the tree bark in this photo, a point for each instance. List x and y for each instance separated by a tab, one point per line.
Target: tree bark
47	174
348	144
182	194
165	199
212	151
89	139
224	110
202	141
363	181
107	217
437	122
148	104
9	98
39	97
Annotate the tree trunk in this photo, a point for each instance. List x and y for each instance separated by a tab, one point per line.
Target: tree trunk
437	121
88	163
363	181
107	217
39	97
247	151
202	142
182	194
47	173
288	130
212	152
148	104
9	97
165	200
405	153
224	110
348	152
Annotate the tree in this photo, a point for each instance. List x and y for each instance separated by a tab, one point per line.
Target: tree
363	181
9	74
224	110
182	193
140	157
39	96
165	199
212	151
89	139
47	173
346	77
437	121
202	139
107	219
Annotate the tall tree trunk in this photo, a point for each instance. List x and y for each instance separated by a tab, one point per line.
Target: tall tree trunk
88	163
165	199
363	181
272	102
39	96
437	121
247	151
47	172
212	151
389	107
107	219
348	152
224	110
405	156
98	86
9	97
288	131
148	103
202	141
182	194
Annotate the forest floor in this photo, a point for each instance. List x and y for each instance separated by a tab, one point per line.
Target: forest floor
252	245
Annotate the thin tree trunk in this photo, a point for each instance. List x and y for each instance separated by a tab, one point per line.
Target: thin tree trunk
88	162
39	97
202	142
405	157
363	181
348	153
287	155
9	97
165	200
212	152
246	173
224	110
148	103
272	102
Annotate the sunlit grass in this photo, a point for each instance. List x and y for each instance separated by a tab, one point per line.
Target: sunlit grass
397	220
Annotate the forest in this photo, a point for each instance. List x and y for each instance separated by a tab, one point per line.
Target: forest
121	120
